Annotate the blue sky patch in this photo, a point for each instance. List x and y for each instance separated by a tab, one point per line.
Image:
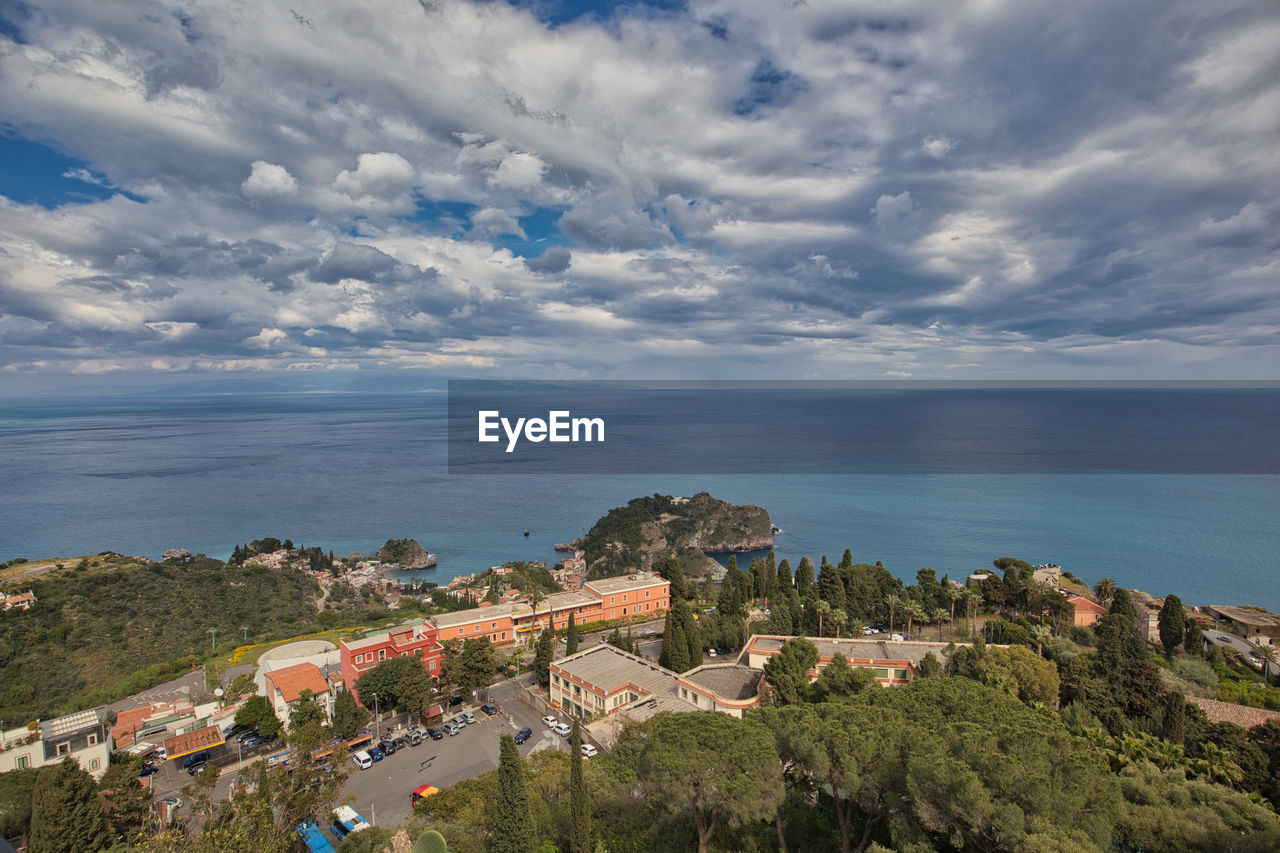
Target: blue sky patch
557	12
37	174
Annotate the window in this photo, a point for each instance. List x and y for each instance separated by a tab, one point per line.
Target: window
94	765
881	672
624	611
93	738
900	674
504	635
432	665
64	749
382	654
611	598
493	624
460	630
646	593
24	761
359	658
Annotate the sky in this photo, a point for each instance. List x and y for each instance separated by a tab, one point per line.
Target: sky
394	192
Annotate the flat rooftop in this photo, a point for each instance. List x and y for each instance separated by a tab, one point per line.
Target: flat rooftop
1247	615
474	614
623	583
731	682
609	668
859	648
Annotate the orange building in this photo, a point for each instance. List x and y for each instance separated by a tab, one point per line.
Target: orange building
1086	612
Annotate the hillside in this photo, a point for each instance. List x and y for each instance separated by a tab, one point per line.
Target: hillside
637	535
96	627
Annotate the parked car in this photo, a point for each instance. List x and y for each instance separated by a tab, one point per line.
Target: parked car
549	721
434	733
400	742
721	651
195	762
362	759
255	740
711	653
897	638
174	803
451	728
147	769
375	754
524	734
489	708
387	746
236	730
455	701
469	718
414	737
561	729
589	751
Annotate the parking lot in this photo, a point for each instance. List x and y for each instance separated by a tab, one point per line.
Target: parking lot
381	793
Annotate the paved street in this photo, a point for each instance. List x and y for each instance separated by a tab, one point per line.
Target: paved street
190	685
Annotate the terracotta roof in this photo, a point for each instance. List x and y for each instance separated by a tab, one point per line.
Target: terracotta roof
185	744
1081	603
1226	712
292	680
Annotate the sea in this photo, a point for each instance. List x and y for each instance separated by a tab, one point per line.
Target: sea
347	471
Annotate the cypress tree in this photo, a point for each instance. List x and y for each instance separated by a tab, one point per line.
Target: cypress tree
678	660
664	656
66	816
784	576
1172	622
571	642
1193	642
804	577
579	802
543	657
847	560
512	830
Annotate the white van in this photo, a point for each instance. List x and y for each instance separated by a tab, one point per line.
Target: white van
362	760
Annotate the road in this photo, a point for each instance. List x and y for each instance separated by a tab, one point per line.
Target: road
1224	638
190	685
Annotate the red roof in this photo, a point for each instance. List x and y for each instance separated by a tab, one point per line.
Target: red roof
1083	604
292	680
180	745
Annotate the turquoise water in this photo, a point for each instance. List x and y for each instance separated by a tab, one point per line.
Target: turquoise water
348	472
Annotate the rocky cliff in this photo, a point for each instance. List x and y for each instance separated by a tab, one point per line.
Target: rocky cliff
637	535
406	553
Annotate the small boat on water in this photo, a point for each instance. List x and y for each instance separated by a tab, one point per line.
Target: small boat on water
526	533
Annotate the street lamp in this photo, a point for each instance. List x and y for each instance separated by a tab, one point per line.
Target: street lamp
376	732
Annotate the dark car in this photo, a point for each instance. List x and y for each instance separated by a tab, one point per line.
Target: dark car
524	734
195	762
455	701
255	740
375	753
434	733
387	746
489	708
236	731
147	769
400	742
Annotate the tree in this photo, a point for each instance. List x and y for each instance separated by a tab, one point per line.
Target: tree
16	787
512	829
349	718
66	816
579	799
571	637
415	692
838	679
1172	624
722	770
1193	642
474	667
893	602
930	666
787	672
1104	589
804	577
543	657
258	715
384	681
678	658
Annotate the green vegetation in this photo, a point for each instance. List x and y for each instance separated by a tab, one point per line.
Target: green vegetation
512	829
98	635
66	816
646	529
404	552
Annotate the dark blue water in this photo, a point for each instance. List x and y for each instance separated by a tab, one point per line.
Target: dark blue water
347	472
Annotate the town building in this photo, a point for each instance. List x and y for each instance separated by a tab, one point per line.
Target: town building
153	718
23	600
602	679
1254	624
1086	612
891	662
637	596
285	688
82	735
355	657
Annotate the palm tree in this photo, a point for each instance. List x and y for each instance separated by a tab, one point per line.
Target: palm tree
1270	655
939	616
972	598
892	602
914	614
1041	633
838	618
1104	589
955	593
822	607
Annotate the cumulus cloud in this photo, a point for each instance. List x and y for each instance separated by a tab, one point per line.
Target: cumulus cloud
268	179
492	222
553	260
